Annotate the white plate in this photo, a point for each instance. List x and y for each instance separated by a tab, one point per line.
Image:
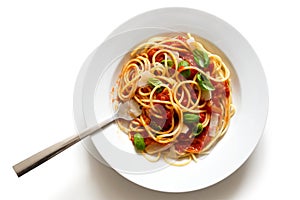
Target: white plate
250	96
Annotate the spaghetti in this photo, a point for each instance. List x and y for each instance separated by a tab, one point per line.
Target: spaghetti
185	96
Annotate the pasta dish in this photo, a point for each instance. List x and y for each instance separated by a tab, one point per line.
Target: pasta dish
185	96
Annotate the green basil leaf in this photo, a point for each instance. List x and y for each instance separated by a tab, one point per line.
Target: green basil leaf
190	118
201	58
159	90
185	73
169	62
204	82
183	63
198	129
153	82
139	142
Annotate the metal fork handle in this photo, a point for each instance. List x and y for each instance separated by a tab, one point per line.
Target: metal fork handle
39	158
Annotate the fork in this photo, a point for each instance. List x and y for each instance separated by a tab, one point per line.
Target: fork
128	111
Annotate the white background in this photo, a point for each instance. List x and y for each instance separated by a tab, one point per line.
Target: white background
42	47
